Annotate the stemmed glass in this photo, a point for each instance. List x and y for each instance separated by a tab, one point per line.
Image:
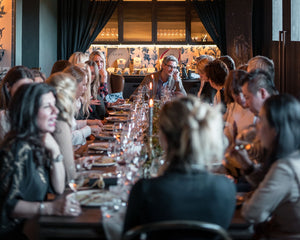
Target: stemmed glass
78	180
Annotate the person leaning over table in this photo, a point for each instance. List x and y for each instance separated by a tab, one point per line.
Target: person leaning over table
168	77
191	133
276	202
65	86
30	162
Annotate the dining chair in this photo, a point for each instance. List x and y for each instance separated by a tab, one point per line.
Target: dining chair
177	230
117	83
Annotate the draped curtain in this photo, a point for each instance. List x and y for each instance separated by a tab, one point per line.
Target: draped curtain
212	15
258	28
79	23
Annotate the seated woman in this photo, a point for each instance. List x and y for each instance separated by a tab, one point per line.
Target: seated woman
191	133
14	78
31	164
276	202
97	110
81	129
236	117
65	86
105	79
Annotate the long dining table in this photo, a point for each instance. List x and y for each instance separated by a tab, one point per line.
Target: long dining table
89	225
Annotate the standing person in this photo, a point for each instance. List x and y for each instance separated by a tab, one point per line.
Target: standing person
167	77
191	134
30	163
65	86
276	202
15	77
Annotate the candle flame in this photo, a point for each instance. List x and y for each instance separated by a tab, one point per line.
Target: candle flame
151	102
152	76
150	86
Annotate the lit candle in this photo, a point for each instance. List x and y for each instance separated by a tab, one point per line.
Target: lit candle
151	86
151	104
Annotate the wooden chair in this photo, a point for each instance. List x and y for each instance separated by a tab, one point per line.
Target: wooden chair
177	230
117	83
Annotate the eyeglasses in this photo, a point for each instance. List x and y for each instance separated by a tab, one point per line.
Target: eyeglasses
171	67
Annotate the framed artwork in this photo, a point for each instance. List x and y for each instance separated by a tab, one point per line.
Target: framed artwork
7	35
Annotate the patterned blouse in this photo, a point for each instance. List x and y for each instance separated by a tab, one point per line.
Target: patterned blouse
20	179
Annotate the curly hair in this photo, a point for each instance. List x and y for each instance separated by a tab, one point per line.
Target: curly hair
194	133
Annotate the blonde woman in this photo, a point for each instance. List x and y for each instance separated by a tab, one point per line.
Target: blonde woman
65	86
97	107
201	63
85	127
78	57
192	136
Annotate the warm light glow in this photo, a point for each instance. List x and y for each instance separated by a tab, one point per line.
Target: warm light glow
151	103
150	86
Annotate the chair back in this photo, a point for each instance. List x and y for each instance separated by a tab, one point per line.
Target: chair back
177	229
117	83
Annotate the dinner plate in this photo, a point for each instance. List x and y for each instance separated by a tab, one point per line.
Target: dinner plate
117	119
98	161
125	106
119	113
108	127
106	136
92	198
103	161
101	146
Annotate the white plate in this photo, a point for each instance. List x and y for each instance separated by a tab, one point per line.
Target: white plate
117	119
108	127
119	113
105	136
101	146
92	198
125	106
103	161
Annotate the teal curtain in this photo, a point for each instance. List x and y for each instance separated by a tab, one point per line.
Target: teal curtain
80	22
212	15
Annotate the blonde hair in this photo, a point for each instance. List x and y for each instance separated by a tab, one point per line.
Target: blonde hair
78	57
205	59
100	54
79	72
65	86
86	98
194	133
96	83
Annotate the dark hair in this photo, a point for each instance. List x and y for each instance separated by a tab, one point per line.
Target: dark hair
283	114
216	71
258	79
60	65
23	112
37	73
233	84
13	75
228	61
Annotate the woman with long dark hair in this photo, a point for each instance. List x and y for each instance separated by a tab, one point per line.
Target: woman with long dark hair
276	202
30	162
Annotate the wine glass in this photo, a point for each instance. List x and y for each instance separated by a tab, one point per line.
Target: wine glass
78	180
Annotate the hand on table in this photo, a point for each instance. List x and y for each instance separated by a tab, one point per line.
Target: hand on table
95	130
96	122
64	207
